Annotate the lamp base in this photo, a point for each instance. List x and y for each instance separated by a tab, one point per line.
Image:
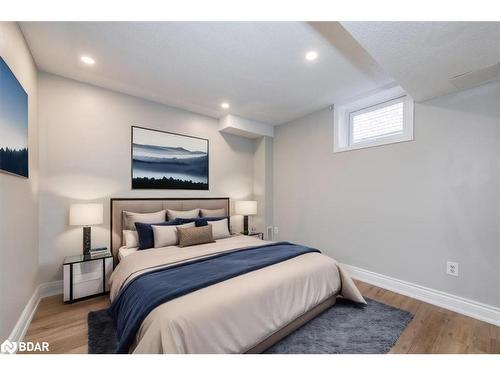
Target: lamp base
245	225
86	240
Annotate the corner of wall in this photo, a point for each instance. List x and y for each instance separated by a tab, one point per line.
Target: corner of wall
19	196
263	184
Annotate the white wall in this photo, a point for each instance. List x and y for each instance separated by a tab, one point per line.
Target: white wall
19	196
263	185
85	155
401	210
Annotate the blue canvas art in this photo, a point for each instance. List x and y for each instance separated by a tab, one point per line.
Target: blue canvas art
13	124
162	160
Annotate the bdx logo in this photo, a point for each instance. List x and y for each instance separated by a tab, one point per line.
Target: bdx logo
11	347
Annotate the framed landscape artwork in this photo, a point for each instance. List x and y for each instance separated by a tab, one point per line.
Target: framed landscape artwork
163	160
13	124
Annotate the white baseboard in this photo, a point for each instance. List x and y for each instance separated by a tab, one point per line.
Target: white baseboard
42	291
50	289
464	306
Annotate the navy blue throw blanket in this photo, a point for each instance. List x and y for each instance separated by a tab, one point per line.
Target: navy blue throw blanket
147	291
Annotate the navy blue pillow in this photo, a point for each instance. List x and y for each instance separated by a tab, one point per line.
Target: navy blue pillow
181	221
146	235
201	222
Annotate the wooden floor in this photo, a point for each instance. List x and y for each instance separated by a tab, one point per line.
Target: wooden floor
432	330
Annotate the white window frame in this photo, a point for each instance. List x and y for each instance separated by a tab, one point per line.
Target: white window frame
343	115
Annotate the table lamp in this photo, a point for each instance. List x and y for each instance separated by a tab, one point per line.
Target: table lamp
86	214
245	208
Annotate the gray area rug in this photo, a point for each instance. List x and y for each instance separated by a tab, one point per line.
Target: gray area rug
345	328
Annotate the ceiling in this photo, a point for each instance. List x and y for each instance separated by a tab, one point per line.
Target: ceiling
424	57
258	67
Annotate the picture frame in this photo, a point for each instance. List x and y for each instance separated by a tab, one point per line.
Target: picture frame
167	160
14	146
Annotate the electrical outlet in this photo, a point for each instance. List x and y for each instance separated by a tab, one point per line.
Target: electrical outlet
276	231
452	268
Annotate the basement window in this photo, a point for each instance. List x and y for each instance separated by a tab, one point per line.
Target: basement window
373	121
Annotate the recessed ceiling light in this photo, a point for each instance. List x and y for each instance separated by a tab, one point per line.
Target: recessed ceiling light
311	55
87	60
225	105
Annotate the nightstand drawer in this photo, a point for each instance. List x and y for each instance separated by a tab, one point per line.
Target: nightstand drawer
85	268
86	278
87	288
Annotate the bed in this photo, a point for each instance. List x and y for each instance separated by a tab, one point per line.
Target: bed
242	312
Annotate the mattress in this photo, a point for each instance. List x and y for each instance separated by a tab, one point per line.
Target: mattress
234	315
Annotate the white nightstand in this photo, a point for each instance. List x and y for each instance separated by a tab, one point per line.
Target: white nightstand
86	276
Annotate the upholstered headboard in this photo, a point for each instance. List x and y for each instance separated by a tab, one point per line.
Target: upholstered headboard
145	205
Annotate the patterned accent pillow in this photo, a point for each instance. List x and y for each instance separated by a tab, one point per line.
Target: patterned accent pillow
194	236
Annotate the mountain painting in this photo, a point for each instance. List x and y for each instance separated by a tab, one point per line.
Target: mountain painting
13	124
162	160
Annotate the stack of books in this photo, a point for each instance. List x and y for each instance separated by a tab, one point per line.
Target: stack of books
99	252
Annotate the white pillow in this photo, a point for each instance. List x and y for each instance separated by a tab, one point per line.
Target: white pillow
130	218
130	238
166	235
173	214
219	229
213	213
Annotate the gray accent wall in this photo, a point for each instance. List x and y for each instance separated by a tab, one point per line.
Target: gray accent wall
401	210
19	196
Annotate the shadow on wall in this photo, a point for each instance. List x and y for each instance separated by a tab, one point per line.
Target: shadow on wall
237	181
476	100
237	143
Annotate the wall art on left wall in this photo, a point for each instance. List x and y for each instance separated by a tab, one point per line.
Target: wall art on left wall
13	124
163	160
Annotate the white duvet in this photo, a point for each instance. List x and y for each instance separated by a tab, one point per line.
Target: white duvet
234	315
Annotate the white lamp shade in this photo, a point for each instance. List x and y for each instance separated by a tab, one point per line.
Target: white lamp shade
85	214
245	208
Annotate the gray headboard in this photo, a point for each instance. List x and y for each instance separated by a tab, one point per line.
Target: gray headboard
144	205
